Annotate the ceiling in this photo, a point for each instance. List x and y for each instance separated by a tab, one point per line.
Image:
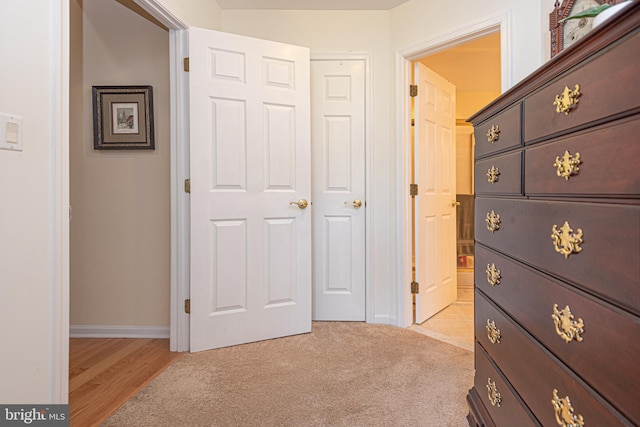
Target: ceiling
311	4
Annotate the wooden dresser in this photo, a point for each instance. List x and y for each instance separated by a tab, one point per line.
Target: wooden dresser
557	279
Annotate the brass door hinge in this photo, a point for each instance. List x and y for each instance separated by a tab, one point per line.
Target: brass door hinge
413	90
187	306
415	288
185	64
187	185
413	189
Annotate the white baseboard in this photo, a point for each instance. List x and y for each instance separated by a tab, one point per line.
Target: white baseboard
117	331
384	319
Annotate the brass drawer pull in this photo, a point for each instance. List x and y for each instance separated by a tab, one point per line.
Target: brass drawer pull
567	165
493	275
567	101
494	134
564	412
493	221
565	241
494	396
493	175
493	333
567	328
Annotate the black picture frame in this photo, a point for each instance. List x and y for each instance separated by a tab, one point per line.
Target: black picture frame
123	118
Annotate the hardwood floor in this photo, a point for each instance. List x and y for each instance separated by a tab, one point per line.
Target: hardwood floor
105	373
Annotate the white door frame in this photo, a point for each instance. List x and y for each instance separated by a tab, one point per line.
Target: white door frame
179	147
368	218
60	213
500	22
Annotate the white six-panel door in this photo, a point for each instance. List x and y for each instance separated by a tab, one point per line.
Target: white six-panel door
435	171
250	165
338	153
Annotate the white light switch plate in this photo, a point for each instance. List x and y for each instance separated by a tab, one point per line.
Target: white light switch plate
10	132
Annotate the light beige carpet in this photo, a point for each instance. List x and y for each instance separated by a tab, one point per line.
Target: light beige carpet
341	374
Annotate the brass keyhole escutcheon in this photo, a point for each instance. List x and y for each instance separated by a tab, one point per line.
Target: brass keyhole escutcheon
493	275
567	165
494	134
493	175
565	241
493	221
493	333
566	327
567	100
492	392
565	416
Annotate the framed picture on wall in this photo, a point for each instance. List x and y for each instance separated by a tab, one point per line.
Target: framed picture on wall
123	118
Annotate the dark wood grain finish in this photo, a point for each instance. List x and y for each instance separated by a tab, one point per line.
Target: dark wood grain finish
606	329
609	157
478	415
511	412
510	177
608	263
606	91
534	373
600	283
510	136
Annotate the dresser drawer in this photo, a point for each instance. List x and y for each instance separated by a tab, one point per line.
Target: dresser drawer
608	347
605	91
596	163
535	374
494	390
501	132
499	174
607	263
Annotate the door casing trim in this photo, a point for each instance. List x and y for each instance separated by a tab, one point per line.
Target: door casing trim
179	165
501	22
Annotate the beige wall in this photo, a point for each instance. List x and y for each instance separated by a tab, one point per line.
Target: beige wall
120	236
474	69
464	159
470	103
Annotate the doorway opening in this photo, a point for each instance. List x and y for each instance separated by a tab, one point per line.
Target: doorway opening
119	239
477	61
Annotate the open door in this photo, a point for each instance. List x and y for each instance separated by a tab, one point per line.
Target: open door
250	189
435	171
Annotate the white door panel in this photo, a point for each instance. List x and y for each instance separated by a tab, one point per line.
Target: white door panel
435	171
338	148
250	158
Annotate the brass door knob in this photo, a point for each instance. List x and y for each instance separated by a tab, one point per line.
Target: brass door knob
302	203
454	203
356	203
